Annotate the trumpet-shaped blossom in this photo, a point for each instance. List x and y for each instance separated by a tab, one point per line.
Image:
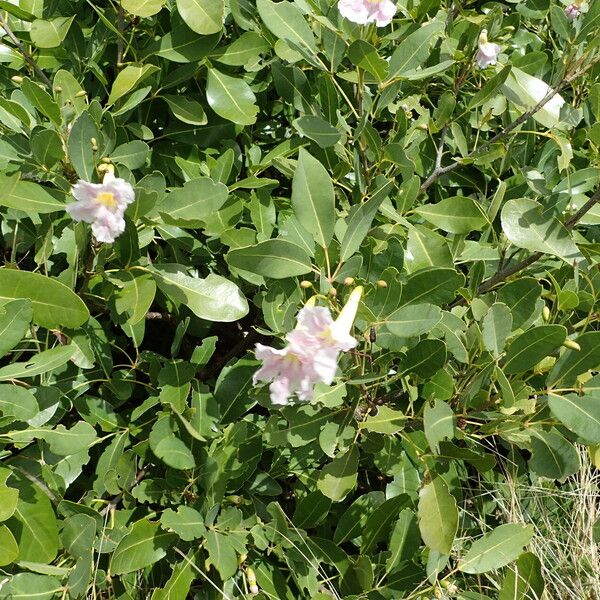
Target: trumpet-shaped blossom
103	205
487	54
572	11
311	353
381	12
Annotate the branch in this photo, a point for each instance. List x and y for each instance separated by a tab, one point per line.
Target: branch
503	274
28	58
439	171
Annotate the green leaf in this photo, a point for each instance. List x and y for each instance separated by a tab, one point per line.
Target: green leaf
277	259
527	226
247	48
9	496
15	317
311	510
231	98
222	554
496	549
405	539
178	585
455	215
42	100
187	523
142	8
360	221
590	21
521	296
33	523
497	325
186	110
438	516
490	88
144	545
9	550
438	421
61	441
214	298
134	295
132	154
47	148
574	362
54	304
532	346
318	130
580	414
524	580
195	201
50	34
313	199
29	586
41	363
338	478
27	196
128	79
168	447
413	51
16	11
232	387
202	16
286	22
17	402
386	420
553	456
378	524
365	56
413	320
435	286
427	357
80	147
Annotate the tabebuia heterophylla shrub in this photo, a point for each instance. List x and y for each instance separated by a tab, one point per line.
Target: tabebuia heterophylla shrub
299	299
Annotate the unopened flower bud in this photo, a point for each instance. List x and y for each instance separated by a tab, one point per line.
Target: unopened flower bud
332	292
80	94
349	281
17	79
546	313
424	126
106	160
251	577
572	345
305	284
382	284
57	89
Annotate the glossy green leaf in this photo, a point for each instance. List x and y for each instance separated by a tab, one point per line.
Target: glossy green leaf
41	363
438	421
202	16
142	8
231	98
15	317
187	111
128	79
580	414
338	478
413	320
414	49
497	325
277	259
195	201
496	549
318	130
222	554
30	585
50	34
575	362
142	546
9	550
454	215
438	516
213	298
80	147
313	198
186	522
527	226
553	456
532	346
524	580
54	304
27	196
17	402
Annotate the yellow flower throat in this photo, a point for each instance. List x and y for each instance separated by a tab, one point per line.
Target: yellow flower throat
108	199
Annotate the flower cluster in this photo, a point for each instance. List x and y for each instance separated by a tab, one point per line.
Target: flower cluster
311	352
487	53
380	12
103	205
572	11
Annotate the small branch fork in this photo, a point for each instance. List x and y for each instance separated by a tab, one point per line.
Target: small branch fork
503	274
28	58
440	171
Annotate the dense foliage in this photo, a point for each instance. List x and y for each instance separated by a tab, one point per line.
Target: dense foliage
447	163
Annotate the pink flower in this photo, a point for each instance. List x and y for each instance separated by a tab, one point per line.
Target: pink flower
572	11
366	11
103	205
311	353
488	52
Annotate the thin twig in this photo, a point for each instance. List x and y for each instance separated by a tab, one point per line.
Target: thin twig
504	274
28	58
117	499
439	171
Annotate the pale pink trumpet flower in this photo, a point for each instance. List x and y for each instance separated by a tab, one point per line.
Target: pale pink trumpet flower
487	53
380	12
311	353
103	205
